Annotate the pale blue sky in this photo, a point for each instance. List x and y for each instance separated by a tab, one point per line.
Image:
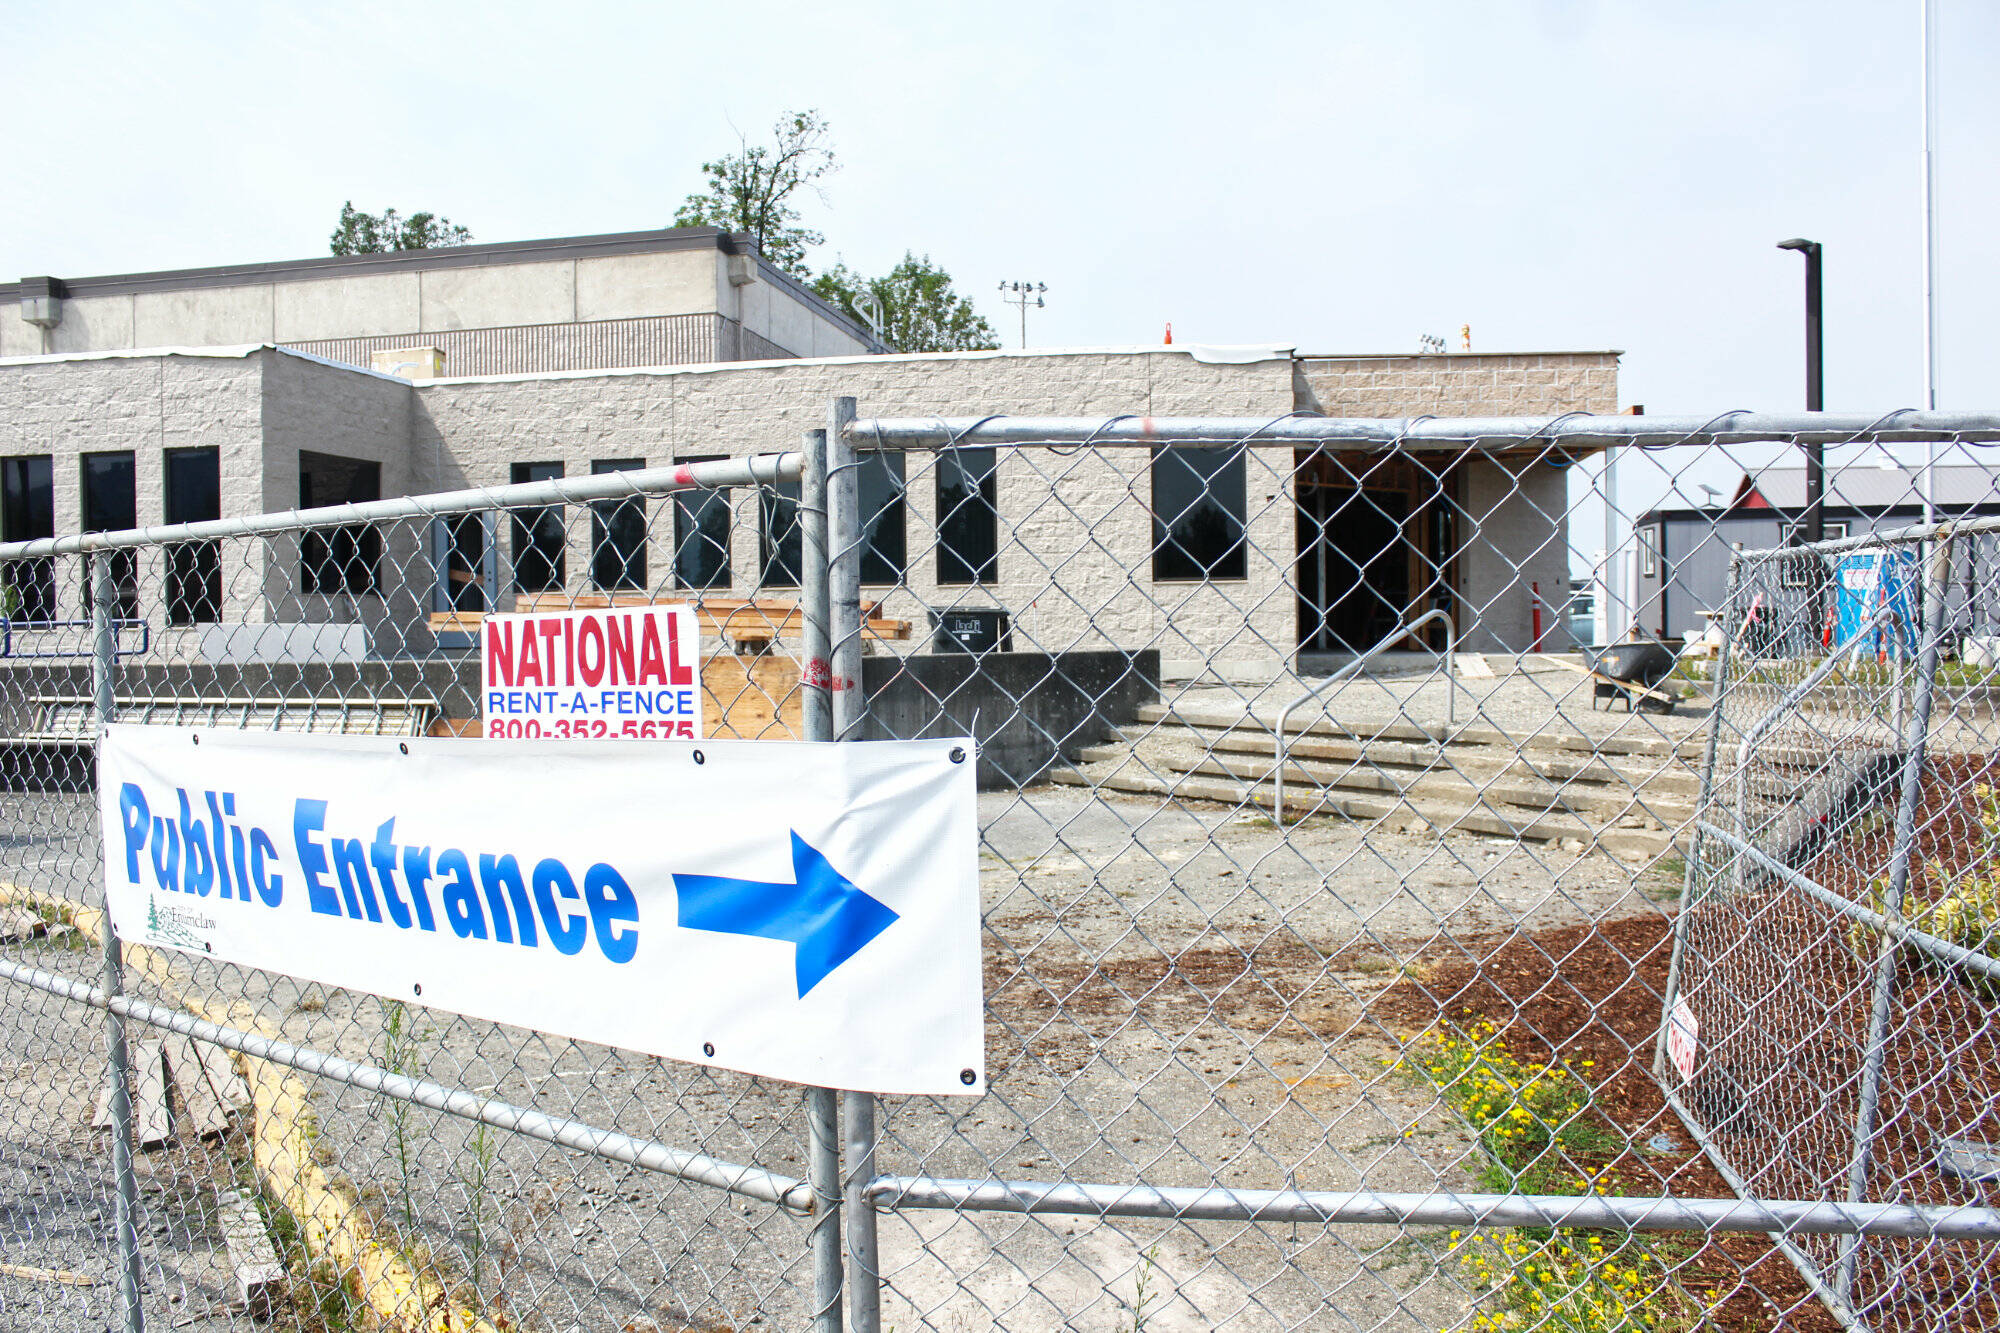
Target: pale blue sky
1339	176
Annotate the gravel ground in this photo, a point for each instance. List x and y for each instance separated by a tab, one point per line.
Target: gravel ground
1176	993
56	1193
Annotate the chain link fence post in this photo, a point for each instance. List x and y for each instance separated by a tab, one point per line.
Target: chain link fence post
1937	579
1691	878
822	1104
104	683
844	541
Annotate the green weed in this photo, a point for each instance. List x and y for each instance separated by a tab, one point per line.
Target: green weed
474	1171
401	1042
1535	1123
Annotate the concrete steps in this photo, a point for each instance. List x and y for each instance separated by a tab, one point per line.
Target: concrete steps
1629	796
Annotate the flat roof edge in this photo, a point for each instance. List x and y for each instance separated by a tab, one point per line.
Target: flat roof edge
1282	355
224	352
396	261
1455	356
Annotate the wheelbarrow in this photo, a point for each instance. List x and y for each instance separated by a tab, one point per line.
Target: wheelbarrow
1631	671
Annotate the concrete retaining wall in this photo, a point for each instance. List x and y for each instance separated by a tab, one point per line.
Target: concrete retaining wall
1028	711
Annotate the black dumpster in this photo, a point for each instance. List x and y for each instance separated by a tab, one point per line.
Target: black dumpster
972	630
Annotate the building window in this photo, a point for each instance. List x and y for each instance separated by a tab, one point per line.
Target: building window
1652	542
701	536
618	534
1794	534
882	509
194	569
346	559
466	565
968	517
539	539
1199	513
111	504
779	541
879	495
28	513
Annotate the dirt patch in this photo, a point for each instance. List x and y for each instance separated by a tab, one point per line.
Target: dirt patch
1784	986
1592	994
1274	990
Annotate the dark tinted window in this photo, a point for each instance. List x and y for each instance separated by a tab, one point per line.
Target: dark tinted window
539	561
347	559
1198	513
618	534
194	569
780	543
111	504
28	513
701	537
110	492
968	518
881	498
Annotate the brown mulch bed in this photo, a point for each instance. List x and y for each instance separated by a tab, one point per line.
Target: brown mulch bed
1593	993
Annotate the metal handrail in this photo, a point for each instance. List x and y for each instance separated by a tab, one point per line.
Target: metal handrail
9	627
1382	645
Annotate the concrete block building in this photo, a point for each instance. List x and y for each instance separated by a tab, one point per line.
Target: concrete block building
1253	555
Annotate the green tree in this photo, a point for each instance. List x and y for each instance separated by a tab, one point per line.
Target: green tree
755	188
919	311
369	233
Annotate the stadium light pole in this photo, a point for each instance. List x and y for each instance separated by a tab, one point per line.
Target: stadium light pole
1814	527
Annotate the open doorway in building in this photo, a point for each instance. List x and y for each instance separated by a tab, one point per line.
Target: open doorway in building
1375	549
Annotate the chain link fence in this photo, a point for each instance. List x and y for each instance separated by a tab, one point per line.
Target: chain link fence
1838	960
401	1167
1333	866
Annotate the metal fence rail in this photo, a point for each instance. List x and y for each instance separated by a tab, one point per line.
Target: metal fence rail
1365	1019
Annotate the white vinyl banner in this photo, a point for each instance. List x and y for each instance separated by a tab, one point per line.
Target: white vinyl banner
804	912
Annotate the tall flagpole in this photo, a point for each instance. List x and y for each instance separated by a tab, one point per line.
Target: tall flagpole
1930	247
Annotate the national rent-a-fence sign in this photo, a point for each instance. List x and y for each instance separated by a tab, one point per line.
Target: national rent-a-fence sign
630	673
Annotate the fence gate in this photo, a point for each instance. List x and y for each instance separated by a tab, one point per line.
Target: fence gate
1358	953
1836	965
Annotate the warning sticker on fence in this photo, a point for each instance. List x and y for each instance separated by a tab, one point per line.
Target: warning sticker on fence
625	673
1682	1031
803	912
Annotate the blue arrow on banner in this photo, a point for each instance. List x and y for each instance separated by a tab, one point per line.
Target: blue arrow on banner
821	911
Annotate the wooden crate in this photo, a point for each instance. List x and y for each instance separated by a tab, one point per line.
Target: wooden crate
744	698
753	698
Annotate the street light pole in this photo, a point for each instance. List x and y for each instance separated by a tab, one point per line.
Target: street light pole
1814	527
1025	294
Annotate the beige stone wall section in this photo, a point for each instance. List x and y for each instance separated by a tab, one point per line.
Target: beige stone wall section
1075	563
1479	384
